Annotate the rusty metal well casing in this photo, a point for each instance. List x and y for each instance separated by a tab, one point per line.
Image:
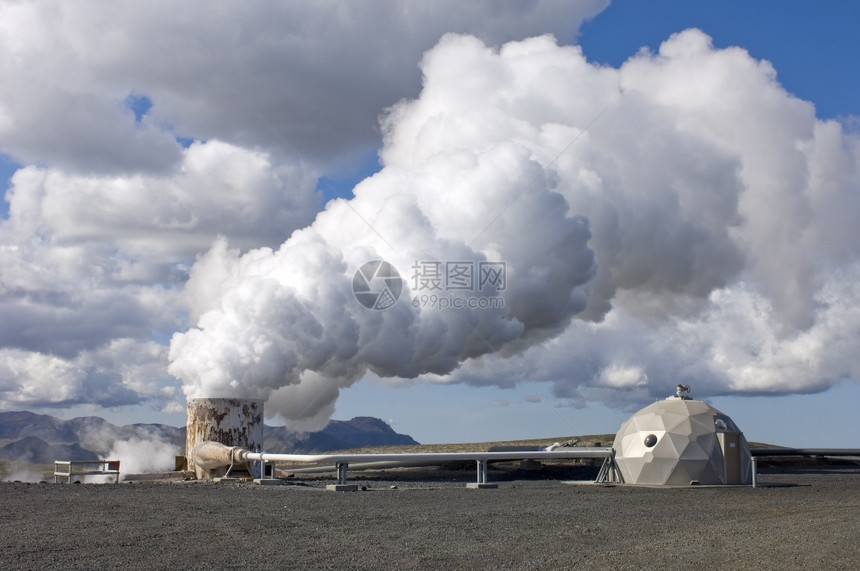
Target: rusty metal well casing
232	422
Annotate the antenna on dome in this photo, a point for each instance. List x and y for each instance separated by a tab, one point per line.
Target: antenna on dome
682	392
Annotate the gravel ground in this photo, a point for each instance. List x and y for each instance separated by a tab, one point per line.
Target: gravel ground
798	519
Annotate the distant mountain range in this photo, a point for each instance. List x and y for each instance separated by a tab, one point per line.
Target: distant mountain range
42	439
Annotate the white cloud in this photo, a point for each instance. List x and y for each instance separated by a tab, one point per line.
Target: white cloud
121	372
316	74
94	265
216	188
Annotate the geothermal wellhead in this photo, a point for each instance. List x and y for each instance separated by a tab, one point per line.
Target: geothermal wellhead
232	422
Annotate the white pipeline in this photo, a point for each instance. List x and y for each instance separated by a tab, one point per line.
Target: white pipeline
429	457
212	454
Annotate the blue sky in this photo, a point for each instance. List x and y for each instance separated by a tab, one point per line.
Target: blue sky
809	43
7	168
184	199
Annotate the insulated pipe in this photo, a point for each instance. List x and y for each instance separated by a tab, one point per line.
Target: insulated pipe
805	452
756	453
583	452
210	455
321	468
215	454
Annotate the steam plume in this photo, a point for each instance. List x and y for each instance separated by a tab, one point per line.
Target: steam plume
680	219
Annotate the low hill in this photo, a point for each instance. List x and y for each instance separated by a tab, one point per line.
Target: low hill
338	435
35	450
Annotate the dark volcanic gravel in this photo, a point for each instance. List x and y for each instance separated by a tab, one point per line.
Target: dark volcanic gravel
799	519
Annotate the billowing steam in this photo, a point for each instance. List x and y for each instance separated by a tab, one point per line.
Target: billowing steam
142	455
680	219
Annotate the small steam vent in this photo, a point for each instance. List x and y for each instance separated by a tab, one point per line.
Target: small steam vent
229	421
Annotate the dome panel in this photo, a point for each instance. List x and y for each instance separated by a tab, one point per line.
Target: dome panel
683	427
703	423
695	452
671	419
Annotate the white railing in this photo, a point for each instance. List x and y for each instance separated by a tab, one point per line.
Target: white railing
69	469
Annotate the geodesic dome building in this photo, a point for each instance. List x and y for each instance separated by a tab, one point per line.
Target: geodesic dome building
681	441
